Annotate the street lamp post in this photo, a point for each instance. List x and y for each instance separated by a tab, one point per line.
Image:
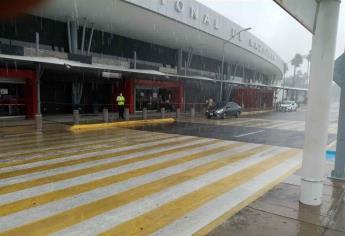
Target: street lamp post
223	59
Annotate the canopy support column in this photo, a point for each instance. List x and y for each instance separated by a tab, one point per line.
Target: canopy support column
316	134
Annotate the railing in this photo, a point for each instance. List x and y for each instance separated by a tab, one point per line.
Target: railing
12	109
95	113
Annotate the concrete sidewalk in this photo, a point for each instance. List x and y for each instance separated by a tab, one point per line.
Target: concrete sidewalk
279	212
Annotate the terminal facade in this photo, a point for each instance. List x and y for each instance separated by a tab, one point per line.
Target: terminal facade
157	53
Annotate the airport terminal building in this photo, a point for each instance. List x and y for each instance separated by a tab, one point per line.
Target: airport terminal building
82	54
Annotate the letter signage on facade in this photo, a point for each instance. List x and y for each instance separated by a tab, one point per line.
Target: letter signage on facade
196	15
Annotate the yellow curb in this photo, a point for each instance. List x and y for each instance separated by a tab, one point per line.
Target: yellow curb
120	124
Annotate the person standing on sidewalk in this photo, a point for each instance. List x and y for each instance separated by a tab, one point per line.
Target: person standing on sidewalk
121	105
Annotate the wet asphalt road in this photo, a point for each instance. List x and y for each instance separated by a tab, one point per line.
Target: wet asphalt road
270	136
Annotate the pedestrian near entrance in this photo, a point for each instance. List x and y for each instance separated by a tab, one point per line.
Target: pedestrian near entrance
209	103
121	105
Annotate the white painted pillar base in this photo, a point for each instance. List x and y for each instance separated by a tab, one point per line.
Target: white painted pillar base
126	115
321	74
162	112
38	123
192	112
312	192
105	115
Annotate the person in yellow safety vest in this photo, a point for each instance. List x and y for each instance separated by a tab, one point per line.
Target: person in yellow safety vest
121	104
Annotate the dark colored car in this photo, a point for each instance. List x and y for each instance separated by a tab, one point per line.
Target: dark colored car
224	109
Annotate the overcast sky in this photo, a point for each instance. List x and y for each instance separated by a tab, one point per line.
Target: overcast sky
273	25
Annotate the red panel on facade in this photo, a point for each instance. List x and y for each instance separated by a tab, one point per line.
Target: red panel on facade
252	98
30	93
128	92
157	83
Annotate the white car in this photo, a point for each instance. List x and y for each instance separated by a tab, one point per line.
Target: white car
288	106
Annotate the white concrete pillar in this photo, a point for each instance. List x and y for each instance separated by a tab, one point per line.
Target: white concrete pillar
105	115
178	113
144	113
126	115
316	134
192	112
162	112
76	117
38	123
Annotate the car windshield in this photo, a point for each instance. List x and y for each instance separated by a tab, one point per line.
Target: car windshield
220	105
287	103
232	104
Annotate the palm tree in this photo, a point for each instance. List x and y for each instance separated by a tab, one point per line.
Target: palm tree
296	62
308	57
286	68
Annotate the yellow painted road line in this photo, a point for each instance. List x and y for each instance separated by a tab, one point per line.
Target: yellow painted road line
261	124
45	141
121	124
270	123
42	142
41	147
71	217
280	123
88	151
241	122
61	134
49	179
173	210
293	126
208	228
67	152
332	145
17	206
89	159
65	149
333	130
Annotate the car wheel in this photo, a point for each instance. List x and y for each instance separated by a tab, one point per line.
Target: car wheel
237	114
223	116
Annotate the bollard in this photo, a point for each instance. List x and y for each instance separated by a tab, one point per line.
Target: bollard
105	115
144	113
126	114
38	122
162	112
178	113
192	111
204	109
76	117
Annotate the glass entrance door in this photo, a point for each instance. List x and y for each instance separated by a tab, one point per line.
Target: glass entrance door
12	99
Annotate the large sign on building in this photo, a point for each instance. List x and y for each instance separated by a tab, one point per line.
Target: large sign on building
196	15
304	11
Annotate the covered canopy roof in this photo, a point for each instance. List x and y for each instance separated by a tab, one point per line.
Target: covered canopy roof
119	69
163	23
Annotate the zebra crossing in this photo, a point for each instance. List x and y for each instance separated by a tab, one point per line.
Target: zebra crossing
129	182
261	123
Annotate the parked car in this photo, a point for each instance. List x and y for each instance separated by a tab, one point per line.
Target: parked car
224	109
288	106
